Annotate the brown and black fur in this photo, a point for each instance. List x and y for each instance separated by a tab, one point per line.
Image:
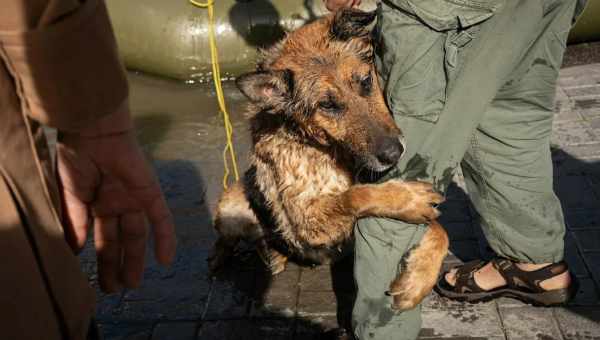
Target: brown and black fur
318	119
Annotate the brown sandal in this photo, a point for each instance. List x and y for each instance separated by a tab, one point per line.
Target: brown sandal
522	285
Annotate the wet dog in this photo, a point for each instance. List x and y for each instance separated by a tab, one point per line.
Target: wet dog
318	119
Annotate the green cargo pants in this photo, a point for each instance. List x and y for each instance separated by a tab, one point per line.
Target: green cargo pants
471	83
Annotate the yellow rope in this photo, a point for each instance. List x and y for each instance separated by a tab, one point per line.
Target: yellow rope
219	89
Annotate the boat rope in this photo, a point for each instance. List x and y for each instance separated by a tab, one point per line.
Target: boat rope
216	73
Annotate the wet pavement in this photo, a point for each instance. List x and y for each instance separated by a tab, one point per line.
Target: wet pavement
180	128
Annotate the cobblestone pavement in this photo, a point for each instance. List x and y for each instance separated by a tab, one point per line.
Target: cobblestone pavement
181	302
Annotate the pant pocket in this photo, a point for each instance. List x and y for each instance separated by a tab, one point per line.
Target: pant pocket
421	44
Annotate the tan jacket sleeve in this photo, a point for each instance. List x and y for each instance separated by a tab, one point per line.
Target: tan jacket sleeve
63	57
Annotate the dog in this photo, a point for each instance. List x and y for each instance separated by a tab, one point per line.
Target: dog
318	119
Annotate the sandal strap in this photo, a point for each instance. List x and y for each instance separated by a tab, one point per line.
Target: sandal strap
520	279
465	277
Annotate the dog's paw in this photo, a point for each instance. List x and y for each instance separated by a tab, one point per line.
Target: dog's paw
407	292
417	202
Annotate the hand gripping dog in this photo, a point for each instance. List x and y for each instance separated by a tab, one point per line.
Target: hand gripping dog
318	121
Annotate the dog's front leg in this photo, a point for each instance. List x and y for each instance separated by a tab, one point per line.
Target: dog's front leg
329	219
413	202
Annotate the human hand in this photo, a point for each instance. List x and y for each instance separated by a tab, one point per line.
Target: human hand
105	179
335	5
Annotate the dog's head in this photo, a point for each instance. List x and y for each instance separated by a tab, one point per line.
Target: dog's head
322	77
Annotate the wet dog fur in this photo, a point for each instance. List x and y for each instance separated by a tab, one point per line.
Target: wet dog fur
318	119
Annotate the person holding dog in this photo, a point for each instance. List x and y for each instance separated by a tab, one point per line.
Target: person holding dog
472	84
59	67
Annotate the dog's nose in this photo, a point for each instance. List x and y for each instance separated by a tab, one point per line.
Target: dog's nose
390	150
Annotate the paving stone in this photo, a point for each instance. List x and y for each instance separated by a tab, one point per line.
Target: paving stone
573	133
588	108
573	257
434	301
525	323
276	296
579	323
430	334
176	292
592	259
583	219
311	327
564	111
588	239
583	91
274	329
317	303
587	293
230	300
583	152
126	331
316	280
176	331
462	320
576	193
595	121
505	302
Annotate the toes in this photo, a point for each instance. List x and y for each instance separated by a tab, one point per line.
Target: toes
451	277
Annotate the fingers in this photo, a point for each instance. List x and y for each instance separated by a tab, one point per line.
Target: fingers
120	248
76	221
133	236
163	228
140	182
108	251
77	179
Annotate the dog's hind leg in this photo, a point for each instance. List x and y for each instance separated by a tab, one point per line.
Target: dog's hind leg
273	259
421	269
222	250
234	221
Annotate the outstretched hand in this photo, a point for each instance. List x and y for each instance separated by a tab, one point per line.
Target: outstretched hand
335	5
107	184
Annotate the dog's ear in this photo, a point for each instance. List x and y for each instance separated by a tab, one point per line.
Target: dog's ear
267	87
351	23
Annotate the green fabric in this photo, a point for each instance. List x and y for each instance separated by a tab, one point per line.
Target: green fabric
471	84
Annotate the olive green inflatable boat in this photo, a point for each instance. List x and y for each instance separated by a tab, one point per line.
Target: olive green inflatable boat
170	37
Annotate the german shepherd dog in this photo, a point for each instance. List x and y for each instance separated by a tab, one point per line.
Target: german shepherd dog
318	118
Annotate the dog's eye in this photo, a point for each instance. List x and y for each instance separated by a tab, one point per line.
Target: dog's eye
330	106
366	83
